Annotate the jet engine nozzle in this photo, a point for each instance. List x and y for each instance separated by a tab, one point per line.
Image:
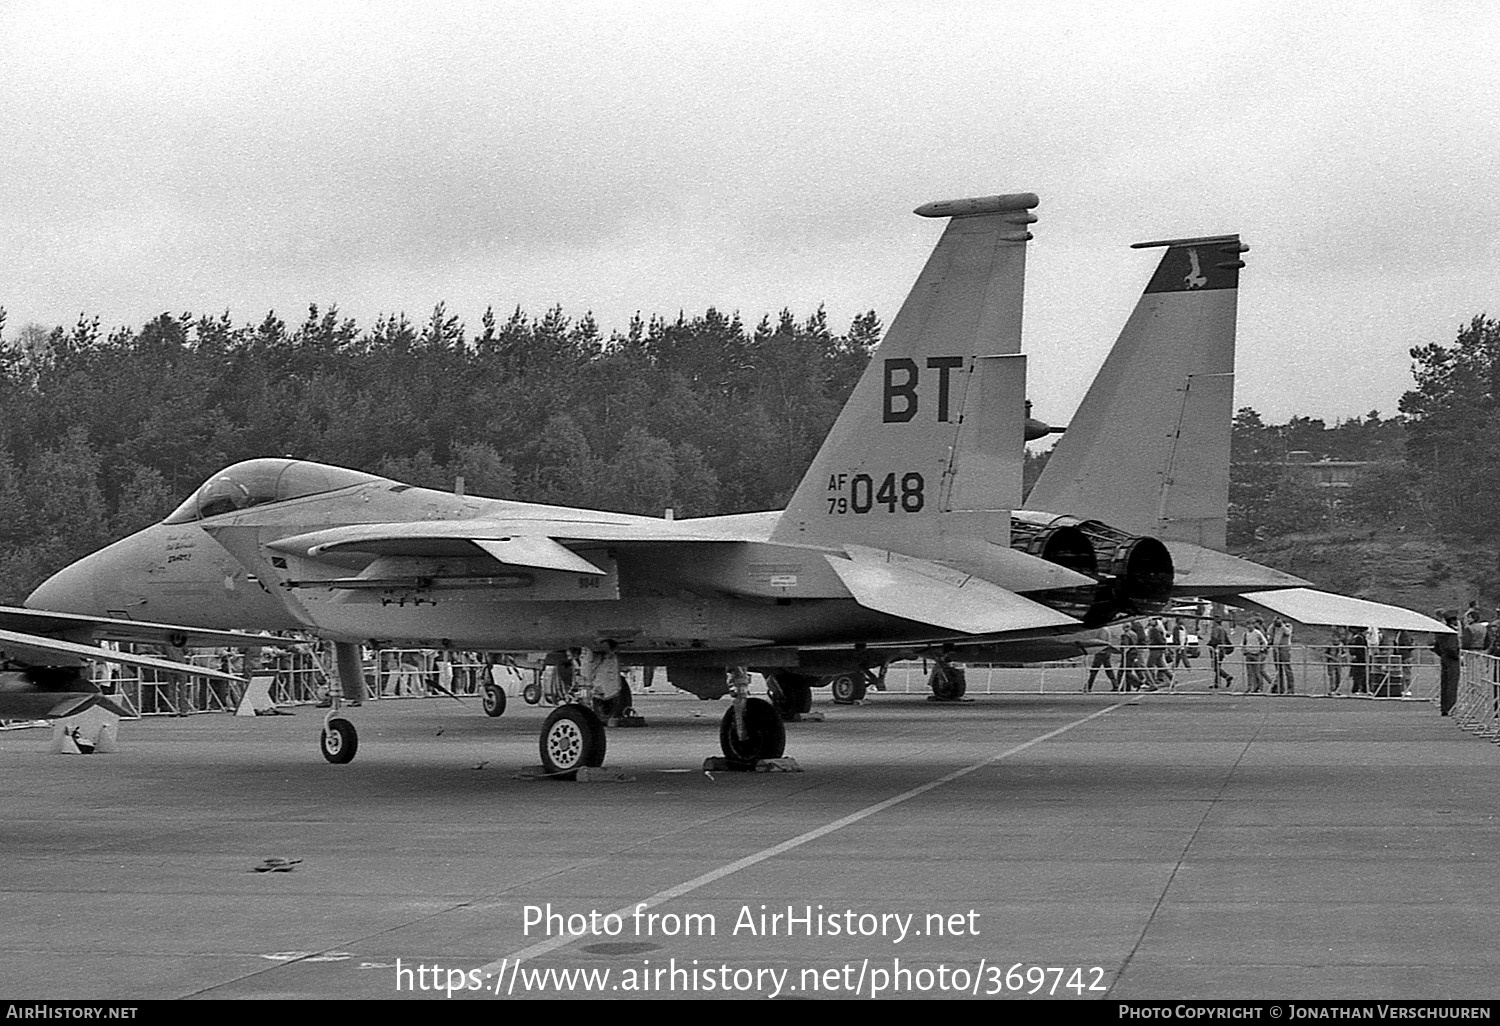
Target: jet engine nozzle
1135	573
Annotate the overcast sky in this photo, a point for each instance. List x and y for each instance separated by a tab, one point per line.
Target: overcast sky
659	157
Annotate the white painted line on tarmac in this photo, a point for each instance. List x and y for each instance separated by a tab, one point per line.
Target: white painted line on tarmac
660	897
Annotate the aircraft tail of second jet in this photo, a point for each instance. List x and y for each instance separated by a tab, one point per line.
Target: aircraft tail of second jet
1148	450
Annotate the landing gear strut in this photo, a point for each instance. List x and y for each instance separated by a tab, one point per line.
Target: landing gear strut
790	693
339	740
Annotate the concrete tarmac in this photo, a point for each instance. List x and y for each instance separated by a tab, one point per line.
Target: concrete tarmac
1065	846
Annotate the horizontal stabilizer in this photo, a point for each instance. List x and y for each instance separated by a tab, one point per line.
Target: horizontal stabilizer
1323	609
1208	573
34	647
916	589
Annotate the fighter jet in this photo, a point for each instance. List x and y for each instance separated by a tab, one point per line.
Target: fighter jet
901	540
44	658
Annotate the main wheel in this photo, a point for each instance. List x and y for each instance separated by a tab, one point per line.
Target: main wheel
847	689
494	700
531	694
339	741
572	738
765	733
789	694
949	682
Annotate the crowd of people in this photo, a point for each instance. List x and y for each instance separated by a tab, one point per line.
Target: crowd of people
1147	655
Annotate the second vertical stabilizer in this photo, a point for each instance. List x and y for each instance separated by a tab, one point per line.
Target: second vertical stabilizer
1148	450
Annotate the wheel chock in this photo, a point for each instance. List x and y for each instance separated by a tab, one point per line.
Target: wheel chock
93	730
626	721
256	700
950	701
719	764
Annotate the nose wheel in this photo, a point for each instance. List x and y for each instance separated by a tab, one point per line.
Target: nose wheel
493	700
339	740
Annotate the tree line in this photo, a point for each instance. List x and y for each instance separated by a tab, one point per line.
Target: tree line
102	434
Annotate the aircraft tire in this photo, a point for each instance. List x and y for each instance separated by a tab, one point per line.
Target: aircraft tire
766	733
789	694
847	689
572	738
531	694
493	700
339	741
949	683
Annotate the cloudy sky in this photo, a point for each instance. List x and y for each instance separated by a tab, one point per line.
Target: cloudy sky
659	157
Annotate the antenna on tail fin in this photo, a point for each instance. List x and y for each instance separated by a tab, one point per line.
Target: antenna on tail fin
915	450
1148	449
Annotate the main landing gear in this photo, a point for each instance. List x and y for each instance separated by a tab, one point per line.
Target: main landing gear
572	738
573	735
947	681
752	728
790	693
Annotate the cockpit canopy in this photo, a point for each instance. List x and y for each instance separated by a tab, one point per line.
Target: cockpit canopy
257	482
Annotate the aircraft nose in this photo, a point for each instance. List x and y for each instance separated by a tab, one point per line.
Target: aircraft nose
70	590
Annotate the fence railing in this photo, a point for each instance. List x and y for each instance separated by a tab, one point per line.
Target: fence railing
1307	670
303	675
1478	706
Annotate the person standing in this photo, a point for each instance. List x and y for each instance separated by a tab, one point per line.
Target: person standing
1180	654
1335	654
1281	652
1253	644
1359	661
1103	659
1448	652
1219	647
1132	642
1157	671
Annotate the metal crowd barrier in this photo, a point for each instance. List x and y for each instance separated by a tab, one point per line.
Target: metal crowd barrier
304	675
1312	673
1478	707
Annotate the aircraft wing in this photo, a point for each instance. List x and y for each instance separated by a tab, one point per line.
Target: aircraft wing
29	646
919	590
1324	609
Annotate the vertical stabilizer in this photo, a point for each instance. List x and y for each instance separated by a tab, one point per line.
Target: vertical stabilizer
915	452
1148	449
